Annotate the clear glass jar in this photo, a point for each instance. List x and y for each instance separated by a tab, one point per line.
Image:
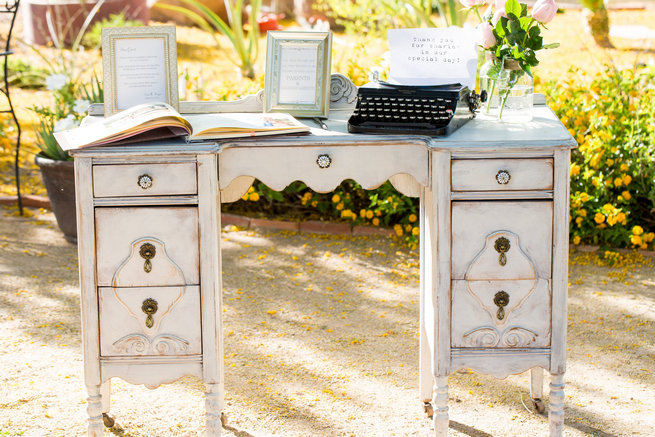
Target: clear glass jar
488	77
515	93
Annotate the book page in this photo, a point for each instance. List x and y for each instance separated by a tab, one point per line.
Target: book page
433	56
206	124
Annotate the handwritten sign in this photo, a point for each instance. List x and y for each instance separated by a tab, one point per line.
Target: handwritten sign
140	66
433	56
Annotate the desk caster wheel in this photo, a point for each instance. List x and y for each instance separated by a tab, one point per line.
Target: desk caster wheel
107	420
223	419
429	411
539	405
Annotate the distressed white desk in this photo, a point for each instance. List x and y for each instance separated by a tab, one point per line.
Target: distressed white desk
494	250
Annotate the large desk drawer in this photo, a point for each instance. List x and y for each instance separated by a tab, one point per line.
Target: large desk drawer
144	179
322	168
502	174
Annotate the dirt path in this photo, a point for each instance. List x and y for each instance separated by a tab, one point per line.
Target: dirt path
321	339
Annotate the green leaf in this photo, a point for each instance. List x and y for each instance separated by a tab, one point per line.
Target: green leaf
513	7
553	45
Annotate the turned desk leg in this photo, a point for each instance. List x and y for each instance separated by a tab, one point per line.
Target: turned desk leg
213	408
556	411
94	410
440	403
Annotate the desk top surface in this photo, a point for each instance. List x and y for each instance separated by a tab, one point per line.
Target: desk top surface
480	134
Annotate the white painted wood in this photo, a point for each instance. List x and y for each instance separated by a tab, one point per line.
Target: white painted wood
277	167
500	363
427	300
560	259
502	195
406	184
440	402
94	411
146	201
237	188
105	393
486	174
556	407
123	324
537	383
118	230
151	375
123	180
473	222
526	321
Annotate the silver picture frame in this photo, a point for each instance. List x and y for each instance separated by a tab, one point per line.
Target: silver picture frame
139	66
297	79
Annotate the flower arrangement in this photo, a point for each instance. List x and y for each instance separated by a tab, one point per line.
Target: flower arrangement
511	36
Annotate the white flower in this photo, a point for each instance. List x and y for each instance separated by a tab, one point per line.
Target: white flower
66	123
81	106
55	82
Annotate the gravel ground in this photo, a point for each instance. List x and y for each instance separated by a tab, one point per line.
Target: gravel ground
321	339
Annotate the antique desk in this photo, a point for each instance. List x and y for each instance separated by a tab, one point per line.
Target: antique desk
493	250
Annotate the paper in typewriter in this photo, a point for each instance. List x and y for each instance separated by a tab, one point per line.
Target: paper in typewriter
433	56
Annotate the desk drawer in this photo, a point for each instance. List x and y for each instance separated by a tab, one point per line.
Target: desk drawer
149	321
502	174
323	168
153	246
144	179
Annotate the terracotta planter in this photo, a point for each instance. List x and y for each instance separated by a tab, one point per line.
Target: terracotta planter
69	15
59	180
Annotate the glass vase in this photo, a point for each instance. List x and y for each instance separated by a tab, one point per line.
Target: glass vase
515	93
489	74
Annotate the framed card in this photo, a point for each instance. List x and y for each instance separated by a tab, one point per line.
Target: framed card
139	66
298	73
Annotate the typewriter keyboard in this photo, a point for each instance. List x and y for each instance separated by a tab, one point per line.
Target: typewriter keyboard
394	110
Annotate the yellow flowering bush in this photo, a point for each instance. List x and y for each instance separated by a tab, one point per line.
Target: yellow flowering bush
613	170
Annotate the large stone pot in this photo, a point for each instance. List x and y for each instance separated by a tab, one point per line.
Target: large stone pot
59	180
69	15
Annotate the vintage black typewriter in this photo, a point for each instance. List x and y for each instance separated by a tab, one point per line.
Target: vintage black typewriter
419	110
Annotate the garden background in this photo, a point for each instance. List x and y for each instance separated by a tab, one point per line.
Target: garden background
605	96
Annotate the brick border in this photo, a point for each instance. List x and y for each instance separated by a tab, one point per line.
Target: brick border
27	200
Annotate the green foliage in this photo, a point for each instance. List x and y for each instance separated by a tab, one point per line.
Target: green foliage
245	44
613	170
374	17
93	38
20	74
349	202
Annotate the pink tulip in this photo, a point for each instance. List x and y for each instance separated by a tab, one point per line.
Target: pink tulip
544	10
499	13
472	3
487	38
500	4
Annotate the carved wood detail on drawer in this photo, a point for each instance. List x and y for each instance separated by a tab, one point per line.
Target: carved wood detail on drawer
151	246
144	179
501	174
149	321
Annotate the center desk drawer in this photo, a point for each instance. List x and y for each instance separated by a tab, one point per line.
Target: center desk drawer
323	167
502	174
144	179
147	247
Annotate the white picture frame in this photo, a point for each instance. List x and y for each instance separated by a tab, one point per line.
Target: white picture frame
297	77
139	66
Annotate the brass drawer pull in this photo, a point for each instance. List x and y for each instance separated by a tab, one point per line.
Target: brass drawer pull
145	181
502	245
323	161
147	252
501	299
503	177
149	307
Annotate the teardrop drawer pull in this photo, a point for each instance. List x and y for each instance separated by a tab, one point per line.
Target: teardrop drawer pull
149	307
145	181
501	299
147	252
502	246
503	177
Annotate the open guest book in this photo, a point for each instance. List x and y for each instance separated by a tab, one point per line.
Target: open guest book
154	121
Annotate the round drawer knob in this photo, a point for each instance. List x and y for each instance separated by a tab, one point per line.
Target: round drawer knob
145	181
323	161
503	177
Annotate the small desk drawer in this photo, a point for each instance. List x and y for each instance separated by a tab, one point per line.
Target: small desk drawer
323	168
501	174
154	246
144	179
149	321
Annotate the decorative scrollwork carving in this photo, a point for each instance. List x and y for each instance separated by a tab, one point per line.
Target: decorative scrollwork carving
341	88
491	337
139	344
